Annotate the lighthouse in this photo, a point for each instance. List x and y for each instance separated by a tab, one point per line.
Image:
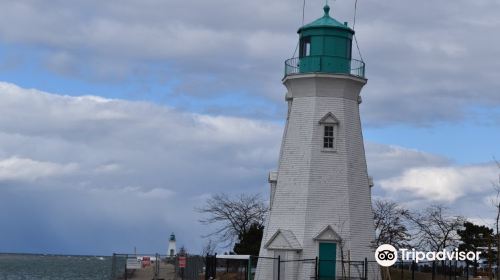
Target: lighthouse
172	248
320	199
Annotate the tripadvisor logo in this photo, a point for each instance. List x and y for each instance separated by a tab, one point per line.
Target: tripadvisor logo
387	255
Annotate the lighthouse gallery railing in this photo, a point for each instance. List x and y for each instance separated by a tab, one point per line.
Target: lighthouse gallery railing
324	64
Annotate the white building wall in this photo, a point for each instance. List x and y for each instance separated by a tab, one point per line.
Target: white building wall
172	246
317	188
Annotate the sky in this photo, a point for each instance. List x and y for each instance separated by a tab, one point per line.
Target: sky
119	118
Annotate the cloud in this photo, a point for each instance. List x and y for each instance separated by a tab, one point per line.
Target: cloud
25	169
418	179
92	166
445	184
387	161
96	175
94	172
422	63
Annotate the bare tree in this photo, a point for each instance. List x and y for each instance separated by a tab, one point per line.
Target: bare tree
341	244
390	223
209	248
390	227
233	215
435	229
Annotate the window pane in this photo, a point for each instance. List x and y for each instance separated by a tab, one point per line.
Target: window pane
328	137
305	47
349	49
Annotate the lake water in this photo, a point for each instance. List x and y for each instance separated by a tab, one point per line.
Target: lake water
27	267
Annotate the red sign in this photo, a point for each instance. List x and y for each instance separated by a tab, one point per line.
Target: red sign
182	262
146	261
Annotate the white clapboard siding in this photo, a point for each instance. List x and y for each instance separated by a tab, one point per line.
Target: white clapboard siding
319	191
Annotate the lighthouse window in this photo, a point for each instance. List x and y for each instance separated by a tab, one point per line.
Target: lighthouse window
349	49
305	46
328	137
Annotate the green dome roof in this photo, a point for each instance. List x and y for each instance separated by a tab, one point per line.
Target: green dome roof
325	21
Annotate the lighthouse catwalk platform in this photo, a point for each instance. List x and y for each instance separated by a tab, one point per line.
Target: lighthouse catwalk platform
320	201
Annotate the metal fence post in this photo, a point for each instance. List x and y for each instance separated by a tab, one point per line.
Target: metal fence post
214	265
316	269
450	269
157	266
403	271
413	270
279	266
366	268
467	269
210	266
113	267
348	270
249	272
348	264
207	263
433	270
126	274
455	273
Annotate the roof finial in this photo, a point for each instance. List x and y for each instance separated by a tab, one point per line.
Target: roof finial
326	8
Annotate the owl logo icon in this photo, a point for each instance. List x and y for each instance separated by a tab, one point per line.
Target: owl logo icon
386	255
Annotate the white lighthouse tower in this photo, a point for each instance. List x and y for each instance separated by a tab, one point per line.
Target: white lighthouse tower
320	205
172	249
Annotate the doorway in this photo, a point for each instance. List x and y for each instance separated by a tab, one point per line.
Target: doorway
327	260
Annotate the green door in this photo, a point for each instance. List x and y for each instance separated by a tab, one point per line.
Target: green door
327	260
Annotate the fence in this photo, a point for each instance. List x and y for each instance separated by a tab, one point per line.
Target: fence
437	270
156	267
230	267
237	267
324	64
284	269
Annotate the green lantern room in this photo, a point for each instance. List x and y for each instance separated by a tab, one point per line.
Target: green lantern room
325	46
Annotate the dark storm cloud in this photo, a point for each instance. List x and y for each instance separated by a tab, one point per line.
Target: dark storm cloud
118	170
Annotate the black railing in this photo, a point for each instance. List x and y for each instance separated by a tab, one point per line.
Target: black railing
318	64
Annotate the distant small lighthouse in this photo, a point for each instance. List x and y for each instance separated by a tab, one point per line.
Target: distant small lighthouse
320	203
172	248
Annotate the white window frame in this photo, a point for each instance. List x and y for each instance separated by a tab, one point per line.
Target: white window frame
329	120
